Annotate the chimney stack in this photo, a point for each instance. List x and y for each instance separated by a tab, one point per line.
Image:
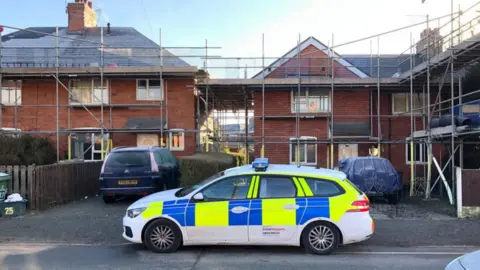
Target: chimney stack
81	15
431	39
108	28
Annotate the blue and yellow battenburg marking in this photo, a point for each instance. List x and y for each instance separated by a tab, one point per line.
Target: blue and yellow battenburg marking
263	212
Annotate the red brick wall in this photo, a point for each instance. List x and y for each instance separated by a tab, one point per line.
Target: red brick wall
312	61
181	110
346	103
398	128
278	103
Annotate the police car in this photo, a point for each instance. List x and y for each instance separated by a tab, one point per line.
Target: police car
257	204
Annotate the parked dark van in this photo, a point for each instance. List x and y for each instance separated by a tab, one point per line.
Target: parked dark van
138	171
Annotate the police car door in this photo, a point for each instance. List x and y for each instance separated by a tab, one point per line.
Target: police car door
274	210
222	215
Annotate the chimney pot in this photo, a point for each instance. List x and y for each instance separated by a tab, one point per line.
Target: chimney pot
108	28
90	4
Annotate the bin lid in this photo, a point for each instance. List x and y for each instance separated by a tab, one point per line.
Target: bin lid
4	176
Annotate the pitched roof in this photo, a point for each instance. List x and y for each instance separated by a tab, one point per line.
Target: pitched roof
390	64
293	52
124	46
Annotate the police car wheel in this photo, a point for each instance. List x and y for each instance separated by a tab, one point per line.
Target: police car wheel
320	238
162	236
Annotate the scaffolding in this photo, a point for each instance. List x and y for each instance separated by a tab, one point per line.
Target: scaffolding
439	64
66	63
448	50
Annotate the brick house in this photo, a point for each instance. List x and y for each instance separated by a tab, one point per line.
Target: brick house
134	101
354	109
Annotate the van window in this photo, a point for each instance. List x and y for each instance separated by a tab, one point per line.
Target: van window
165	156
158	157
128	159
168	156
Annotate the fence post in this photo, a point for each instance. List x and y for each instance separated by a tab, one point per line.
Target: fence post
459	192
16	182
23	181
31	186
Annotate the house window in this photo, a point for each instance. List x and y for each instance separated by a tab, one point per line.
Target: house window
311	100
420	153
149	89
307	150
11	93
88	92
401	103
177	140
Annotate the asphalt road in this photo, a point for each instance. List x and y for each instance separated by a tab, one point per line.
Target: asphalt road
211	258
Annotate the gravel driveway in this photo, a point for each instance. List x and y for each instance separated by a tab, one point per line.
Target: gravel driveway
90	221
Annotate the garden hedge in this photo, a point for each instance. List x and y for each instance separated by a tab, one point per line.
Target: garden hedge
200	166
26	150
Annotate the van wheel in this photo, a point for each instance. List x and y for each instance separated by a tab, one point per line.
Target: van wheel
162	236
320	238
393	198
108	199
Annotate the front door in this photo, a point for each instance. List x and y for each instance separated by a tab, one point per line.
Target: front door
347	151
275	212
222	216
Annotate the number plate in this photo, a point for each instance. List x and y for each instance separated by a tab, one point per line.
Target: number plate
127	182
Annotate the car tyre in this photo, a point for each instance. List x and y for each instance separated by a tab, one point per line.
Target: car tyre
162	236
108	199
320	238
393	198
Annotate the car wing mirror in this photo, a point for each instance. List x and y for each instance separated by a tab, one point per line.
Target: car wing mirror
198	197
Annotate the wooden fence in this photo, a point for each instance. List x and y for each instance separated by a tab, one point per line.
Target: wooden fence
50	185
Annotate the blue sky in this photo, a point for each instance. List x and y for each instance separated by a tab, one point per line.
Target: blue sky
237	25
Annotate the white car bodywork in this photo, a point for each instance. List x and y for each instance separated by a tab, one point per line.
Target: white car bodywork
354	227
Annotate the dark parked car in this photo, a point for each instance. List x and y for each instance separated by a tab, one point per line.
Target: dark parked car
138	171
374	176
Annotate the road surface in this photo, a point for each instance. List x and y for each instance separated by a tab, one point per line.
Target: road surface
36	256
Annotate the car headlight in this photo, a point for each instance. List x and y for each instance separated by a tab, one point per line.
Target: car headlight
133	213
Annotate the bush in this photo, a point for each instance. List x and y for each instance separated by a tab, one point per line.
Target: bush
26	150
200	166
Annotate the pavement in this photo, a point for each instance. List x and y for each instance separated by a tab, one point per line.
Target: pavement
31	256
90	221
87	235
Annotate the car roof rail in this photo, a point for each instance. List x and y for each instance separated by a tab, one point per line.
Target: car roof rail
119	147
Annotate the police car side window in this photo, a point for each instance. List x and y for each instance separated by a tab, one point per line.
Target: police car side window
232	188
277	187
324	188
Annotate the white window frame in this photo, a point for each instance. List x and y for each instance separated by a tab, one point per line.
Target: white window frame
162	94
18	89
294	93
182	139
407	105
293	140
422	147
17	132
95	101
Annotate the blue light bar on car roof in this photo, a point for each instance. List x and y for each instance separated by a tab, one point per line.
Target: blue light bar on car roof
260	164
